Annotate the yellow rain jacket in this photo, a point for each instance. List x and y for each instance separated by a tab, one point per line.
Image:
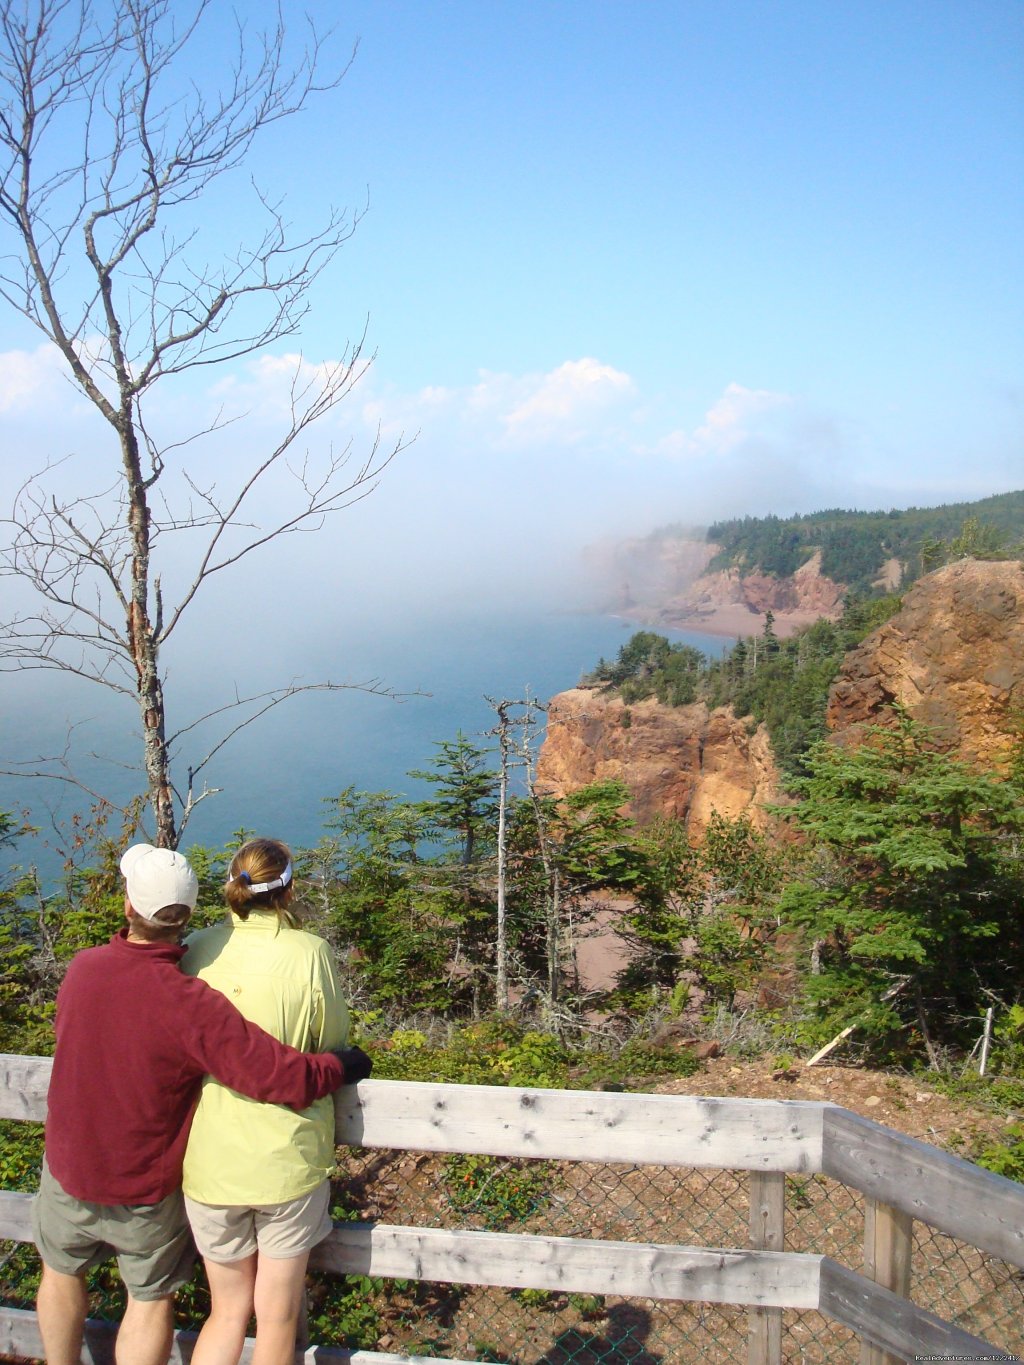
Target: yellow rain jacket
286	980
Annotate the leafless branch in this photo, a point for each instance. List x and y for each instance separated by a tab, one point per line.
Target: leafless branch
106	140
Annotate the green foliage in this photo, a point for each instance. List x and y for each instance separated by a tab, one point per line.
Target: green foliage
915	890
638	1061
535	1298
463	809
649	666
40	930
1004	1157
785	684
405	889
495	1191
343	1310
500	1051
379	906
589	1306
1008	1052
705	907
856	545
21	1155
782	683
562	851
493	1051
976	540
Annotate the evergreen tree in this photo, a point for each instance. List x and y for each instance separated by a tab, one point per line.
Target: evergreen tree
382	912
915	892
464	805
703	908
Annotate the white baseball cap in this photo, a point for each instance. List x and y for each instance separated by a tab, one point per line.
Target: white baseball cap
158	877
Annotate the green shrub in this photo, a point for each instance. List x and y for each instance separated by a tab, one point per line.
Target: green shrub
21	1156
496	1191
1006	1157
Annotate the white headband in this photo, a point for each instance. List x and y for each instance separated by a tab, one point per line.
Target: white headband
259	887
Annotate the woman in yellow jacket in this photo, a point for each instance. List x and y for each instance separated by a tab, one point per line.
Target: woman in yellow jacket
256	1175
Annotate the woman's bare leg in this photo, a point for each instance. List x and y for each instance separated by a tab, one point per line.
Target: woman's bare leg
232	1287
280	1287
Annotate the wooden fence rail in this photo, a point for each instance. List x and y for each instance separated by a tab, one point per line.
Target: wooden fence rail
902	1180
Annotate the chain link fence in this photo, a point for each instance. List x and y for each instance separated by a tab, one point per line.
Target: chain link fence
614	1202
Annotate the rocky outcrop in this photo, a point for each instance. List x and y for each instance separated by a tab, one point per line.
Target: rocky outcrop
663	581
731	601
684	762
953	656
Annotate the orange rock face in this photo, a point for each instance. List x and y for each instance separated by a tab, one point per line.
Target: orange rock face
953	656
684	762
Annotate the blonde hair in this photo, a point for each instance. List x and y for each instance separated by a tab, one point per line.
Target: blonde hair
257	862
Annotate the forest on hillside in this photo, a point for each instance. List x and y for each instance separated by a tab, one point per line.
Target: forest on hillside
782	683
856	545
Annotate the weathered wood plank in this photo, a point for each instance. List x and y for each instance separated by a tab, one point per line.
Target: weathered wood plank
24	1082
891	1323
684	1130
888	1245
767	1233
945	1191
580	1125
19	1336
15	1216
572	1265
569	1264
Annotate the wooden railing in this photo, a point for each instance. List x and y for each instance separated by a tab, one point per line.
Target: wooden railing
903	1180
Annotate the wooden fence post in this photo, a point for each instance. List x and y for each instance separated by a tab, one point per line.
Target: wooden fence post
767	1233
888	1244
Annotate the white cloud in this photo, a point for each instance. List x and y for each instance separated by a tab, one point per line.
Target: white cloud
570	405
731	422
32	379
564	402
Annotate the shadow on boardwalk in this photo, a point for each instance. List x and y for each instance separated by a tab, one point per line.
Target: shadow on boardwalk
621	1342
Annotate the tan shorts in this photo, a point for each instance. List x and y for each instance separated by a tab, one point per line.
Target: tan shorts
230	1232
152	1242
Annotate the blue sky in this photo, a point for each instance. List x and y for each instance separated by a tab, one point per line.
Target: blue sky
625	264
622	264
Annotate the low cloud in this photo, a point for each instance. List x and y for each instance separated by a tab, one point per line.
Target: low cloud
733	421
32	380
566	401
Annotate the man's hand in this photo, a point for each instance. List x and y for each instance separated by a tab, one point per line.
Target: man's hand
356	1063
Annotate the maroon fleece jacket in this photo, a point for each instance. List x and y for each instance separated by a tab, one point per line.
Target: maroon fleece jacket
135	1037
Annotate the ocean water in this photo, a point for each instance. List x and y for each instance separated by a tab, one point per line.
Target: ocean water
274	776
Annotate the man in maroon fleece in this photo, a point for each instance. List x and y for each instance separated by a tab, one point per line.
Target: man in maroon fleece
135	1037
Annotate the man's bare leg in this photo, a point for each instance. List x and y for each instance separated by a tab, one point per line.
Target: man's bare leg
146	1332
61	1306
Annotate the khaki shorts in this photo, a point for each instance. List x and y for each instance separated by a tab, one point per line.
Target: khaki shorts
152	1242
230	1232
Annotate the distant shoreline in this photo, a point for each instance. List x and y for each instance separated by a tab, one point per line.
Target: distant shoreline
732	621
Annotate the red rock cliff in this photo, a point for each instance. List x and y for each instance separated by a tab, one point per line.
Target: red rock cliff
953	656
663	581
683	761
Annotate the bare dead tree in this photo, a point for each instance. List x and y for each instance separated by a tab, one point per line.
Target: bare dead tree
505	709
516	722
107	140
